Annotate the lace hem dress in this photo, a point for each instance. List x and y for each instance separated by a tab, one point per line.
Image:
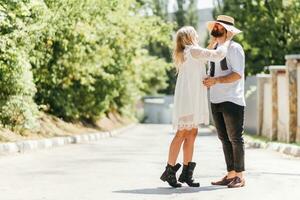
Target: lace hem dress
190	98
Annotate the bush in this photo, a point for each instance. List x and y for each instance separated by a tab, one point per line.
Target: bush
79	59
93	61
17	108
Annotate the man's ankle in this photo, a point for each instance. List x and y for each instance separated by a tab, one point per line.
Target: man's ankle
231	174
240	175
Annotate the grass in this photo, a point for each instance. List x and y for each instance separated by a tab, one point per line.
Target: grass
297	143
258	137
51	126
265	139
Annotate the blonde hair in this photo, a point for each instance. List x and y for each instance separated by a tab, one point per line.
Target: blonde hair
186	35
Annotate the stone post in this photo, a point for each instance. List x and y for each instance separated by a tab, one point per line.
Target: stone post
293	72
275	70
262	79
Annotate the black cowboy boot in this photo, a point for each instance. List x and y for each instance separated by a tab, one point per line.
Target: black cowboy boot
187	175
169	175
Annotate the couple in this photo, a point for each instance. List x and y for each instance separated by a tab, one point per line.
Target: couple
226	84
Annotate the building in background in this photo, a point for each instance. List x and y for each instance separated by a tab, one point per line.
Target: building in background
204	13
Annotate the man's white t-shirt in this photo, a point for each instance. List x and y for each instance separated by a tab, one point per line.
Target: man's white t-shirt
233	92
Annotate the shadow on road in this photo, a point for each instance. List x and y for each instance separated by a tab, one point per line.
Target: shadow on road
168	190
275	173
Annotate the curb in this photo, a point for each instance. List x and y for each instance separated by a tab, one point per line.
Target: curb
30	145
288	149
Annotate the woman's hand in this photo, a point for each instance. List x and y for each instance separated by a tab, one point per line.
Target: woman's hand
212	42
229	36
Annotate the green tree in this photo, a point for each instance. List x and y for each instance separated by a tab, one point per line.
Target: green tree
87	62
186	14
78	59
270	30
17	108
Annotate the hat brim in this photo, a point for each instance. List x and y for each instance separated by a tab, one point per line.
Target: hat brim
210	25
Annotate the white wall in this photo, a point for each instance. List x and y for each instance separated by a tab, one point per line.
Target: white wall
251	111
158	109
204	15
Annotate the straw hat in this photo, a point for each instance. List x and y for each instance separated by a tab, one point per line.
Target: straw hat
226	21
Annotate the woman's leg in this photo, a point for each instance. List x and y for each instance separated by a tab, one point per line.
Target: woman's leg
189	166
169	174
188	145
175	147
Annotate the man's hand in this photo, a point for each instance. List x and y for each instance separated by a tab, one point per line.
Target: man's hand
230	78
209	81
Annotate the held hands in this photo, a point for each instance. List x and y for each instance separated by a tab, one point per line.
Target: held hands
210	81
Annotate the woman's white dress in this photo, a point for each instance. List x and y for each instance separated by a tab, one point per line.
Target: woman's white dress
190	99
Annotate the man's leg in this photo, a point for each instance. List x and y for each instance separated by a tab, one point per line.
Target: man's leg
234	119
227	147
222	134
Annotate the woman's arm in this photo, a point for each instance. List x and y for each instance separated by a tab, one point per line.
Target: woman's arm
211	55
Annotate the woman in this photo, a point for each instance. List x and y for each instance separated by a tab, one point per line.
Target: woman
190	101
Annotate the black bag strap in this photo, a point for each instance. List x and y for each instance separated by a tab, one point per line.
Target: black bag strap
223	65
212	66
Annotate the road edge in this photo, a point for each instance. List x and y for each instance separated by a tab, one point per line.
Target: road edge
288	149
30	145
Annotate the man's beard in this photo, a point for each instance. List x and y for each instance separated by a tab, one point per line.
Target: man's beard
217	33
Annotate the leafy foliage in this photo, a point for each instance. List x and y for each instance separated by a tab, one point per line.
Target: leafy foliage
185	14
270	29
17	108
79	59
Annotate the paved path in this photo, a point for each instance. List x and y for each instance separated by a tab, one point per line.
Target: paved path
128	166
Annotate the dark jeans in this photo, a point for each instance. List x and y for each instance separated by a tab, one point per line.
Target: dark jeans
229	121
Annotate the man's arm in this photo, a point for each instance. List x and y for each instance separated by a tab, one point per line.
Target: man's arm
230	78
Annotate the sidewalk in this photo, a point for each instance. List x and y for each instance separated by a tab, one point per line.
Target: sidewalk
30	145
288	149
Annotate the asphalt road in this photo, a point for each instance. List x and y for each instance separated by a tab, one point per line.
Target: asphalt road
129	165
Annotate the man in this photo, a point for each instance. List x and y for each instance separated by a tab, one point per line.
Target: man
226	83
